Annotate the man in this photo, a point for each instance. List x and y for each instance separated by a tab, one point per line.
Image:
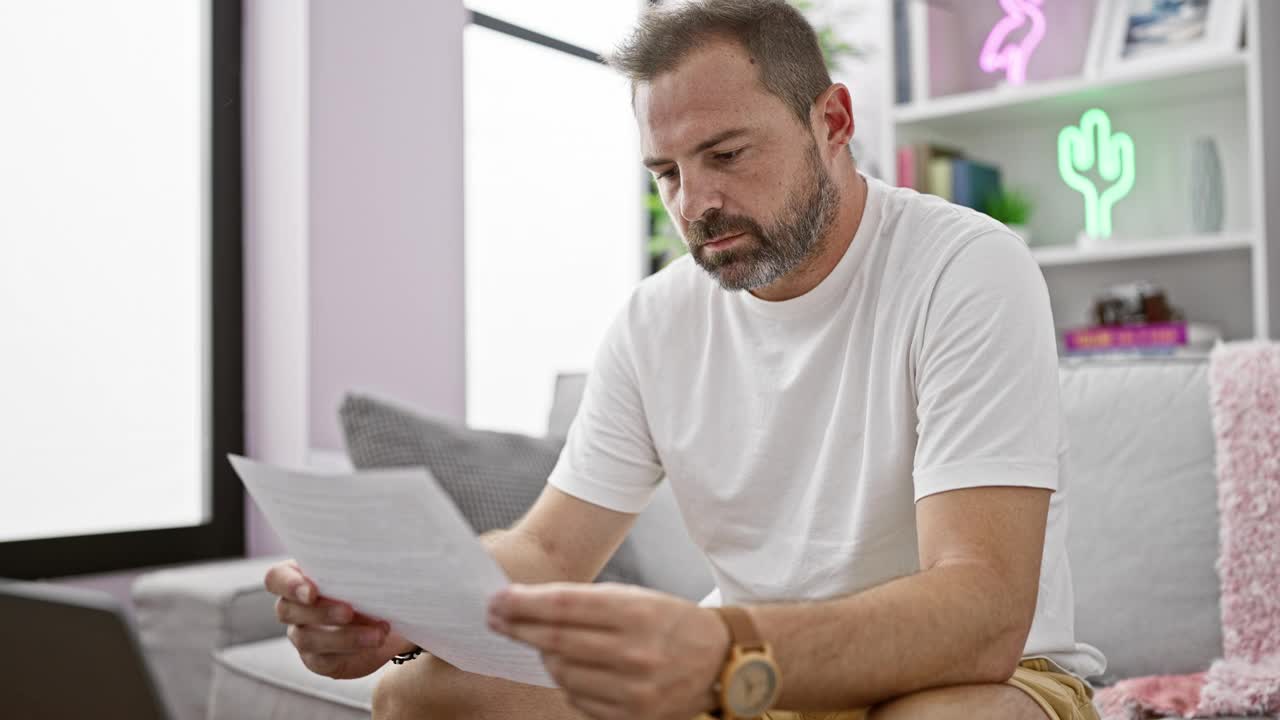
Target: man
852	390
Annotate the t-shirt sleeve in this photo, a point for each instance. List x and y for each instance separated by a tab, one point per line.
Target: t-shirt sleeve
609	457
986	373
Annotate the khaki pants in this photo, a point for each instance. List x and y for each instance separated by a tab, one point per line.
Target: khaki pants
1063	697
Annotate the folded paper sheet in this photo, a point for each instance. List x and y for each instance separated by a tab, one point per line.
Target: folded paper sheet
393	545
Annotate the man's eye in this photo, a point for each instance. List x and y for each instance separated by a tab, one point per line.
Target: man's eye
729	156
667	174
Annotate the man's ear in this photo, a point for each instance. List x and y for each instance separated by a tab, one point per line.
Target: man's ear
833	118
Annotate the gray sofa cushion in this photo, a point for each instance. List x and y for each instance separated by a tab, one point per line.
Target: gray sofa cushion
1143	539
493	477
1143	535
268	680
565	400
666	557
185	613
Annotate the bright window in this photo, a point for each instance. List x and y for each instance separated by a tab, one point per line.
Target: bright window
555	220
102	266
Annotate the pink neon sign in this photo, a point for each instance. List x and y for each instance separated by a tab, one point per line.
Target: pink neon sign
999	54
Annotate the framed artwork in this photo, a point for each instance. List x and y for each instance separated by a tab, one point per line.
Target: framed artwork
1141	32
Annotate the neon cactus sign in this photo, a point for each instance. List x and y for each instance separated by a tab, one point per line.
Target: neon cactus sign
1093	147
999	54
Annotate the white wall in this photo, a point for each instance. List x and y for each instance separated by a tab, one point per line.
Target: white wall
275	216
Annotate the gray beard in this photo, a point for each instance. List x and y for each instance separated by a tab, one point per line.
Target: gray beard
764	255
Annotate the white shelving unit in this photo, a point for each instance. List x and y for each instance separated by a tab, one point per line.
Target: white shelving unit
1143	86
1231	279
1124	249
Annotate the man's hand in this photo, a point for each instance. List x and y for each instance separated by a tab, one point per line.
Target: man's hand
618	651
331	638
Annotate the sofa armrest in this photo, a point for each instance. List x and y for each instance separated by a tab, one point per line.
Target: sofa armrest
185	613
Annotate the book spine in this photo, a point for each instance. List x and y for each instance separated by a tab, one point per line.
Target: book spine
922	154
940	177
962	182
907	167
902	52
1126	337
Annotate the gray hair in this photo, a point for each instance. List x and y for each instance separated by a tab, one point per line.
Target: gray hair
779	39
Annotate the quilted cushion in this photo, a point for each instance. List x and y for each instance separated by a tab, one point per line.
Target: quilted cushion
493	477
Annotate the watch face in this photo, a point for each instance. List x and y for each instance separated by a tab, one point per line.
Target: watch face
752	688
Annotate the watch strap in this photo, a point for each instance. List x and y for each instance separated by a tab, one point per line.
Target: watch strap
742	631
405	657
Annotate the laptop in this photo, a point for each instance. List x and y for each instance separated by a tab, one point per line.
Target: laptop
70	653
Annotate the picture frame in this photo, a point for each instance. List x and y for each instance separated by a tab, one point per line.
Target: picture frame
1135	33
1103	11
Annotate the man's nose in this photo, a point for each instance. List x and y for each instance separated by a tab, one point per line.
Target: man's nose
697	196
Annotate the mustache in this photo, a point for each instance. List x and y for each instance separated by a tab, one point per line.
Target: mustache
702	231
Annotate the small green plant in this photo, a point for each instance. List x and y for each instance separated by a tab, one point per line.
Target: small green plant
834	48
1009	207
665	244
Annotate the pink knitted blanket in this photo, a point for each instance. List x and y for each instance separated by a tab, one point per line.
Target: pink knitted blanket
1244	394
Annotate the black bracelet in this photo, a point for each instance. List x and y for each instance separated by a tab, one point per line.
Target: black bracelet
405	657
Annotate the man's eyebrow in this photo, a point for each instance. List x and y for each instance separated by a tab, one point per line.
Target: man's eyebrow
708	143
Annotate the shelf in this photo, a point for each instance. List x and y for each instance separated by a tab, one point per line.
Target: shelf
1139	87
1120	249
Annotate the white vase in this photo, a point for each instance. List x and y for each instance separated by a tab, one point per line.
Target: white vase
1206	187
1085	241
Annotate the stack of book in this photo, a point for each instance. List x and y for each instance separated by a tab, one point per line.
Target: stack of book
946	173
1130	318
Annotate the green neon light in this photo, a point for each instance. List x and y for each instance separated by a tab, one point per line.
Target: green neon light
1092	146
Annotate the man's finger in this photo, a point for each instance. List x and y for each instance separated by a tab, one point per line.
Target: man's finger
593	708
324	612
323	639
321	664
589	683
280	577
586	646
563	604
286	580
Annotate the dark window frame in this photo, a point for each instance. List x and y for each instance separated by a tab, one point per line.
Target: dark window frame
516	31
223	536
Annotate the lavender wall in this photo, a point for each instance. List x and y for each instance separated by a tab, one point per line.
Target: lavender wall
354	218
386	206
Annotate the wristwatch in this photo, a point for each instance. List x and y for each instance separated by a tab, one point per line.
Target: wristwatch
750	681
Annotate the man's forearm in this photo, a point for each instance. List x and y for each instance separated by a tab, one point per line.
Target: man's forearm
523	558
948	625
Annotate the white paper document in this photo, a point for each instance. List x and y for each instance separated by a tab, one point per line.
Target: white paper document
393	545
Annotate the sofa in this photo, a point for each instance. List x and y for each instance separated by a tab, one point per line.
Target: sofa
1143	543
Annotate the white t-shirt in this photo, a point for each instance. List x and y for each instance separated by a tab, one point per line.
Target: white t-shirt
798	435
